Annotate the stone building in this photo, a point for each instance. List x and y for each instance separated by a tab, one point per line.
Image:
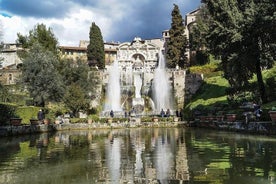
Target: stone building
80	52
138	60
74	53
10	61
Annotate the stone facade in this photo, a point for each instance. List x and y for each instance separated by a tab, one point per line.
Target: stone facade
9	76
9	55
140	57
9	73
193	82
80	52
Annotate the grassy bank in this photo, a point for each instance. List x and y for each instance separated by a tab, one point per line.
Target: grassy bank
211	97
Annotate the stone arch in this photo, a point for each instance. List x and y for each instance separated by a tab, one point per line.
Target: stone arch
138	60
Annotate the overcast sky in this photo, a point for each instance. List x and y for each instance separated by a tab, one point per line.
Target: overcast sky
70	20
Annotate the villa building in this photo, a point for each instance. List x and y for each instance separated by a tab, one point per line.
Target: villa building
80	52
9	63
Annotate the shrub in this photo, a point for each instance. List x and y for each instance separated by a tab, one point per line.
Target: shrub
78	120
27	113
6	112
94	117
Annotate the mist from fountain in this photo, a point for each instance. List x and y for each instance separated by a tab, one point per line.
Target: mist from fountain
113	99
162	96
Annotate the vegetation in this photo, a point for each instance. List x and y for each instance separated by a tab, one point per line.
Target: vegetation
6	112
41	77
212	96
50	79
177	43
40	34
95	49
75	99
82	83
242	34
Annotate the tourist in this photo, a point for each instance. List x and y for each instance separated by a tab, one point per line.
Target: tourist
40	115
180	114
168	113
177	113
111	113
162	113
257	111
125	114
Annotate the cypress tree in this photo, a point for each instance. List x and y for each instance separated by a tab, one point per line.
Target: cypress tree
177	43
95	49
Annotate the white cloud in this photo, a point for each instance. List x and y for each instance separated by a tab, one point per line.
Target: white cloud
117	19
69	30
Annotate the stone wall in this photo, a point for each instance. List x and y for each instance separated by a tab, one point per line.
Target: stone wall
9	76
192	84
178	81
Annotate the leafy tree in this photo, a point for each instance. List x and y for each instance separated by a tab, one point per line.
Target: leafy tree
40	34
75	99
78	72
177	43
197	38
41	77
95	49
242	33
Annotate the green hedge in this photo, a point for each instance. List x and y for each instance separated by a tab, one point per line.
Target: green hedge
27	113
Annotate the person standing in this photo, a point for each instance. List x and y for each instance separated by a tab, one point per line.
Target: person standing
168	113
162	113
111	114
40	115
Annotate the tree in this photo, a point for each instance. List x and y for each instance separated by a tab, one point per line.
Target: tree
40	34
242	34
41	77
95	49
177	43
75	99
78	75
197	38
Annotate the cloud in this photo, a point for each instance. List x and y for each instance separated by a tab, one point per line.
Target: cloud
70	20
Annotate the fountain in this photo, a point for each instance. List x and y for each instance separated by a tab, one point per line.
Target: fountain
138	102
135	78
113	100
161	87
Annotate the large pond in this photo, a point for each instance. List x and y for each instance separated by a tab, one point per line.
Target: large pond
158	155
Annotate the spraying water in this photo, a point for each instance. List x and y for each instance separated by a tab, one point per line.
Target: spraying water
138	85
161	86
113	101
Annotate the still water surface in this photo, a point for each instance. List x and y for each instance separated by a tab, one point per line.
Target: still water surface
159	155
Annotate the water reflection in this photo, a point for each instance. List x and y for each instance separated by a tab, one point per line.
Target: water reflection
138	156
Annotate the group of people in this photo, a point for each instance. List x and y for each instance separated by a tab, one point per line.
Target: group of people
255	113
162	113
168	113
165	114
